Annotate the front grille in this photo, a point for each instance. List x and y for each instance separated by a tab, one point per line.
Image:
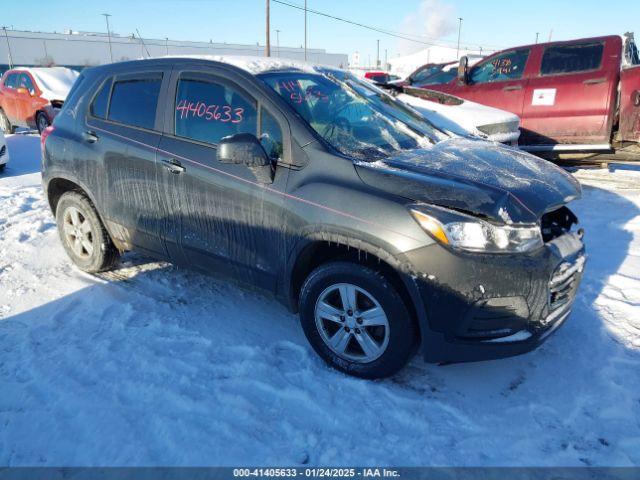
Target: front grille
3	150
564	282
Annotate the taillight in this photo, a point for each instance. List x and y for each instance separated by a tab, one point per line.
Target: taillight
43	136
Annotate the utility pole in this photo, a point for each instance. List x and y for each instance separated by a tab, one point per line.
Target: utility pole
480	50
106	17
378	54
459	31
267	50
278	41
166	44
537	35
550	34
305	30
8	47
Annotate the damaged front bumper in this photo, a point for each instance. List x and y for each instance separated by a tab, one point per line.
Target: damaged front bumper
479	307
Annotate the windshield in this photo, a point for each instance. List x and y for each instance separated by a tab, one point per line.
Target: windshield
353	116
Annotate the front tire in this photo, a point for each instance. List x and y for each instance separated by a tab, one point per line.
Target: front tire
42	122
83	235
356	320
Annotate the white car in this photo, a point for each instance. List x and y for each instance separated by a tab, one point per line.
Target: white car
463	117
4	152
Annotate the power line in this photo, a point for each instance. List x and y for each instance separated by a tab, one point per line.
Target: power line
392	33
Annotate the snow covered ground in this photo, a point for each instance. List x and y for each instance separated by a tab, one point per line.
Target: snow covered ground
152	365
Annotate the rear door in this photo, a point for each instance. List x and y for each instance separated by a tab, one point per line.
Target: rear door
222	217
123	130
630	104
571	98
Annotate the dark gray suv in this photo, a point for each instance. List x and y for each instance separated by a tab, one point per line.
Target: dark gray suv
383	232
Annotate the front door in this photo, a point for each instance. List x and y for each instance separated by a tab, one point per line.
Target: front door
497	82
221	216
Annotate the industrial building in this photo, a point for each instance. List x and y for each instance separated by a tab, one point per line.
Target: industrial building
82	49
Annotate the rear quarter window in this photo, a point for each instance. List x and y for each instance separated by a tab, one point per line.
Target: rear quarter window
134	101
571	58
101	100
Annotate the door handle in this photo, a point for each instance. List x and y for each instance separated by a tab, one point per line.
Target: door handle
512	88
89	136
174	166
594	81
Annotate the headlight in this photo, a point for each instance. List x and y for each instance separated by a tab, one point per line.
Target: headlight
473	234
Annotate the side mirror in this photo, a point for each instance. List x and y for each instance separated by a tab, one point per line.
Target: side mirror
463	71
242	148
246	149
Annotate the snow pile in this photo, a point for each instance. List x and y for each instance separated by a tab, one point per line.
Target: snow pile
54	82
256	65
154	365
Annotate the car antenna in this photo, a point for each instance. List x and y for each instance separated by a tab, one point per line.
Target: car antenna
143	44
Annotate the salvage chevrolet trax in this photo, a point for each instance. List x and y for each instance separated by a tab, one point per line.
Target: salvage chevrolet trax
384	233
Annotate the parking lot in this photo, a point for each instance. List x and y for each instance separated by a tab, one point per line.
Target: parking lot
137	371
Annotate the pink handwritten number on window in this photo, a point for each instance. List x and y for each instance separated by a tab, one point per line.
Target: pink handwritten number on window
212	112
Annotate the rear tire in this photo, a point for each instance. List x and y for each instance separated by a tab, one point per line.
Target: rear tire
372	335
42	122
83	235
5	124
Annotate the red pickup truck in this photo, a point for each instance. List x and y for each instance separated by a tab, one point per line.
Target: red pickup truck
573	96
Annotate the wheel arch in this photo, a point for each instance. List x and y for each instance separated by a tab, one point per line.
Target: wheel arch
58	186
316	250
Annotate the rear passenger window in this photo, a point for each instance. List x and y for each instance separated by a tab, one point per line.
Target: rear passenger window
207	111
571	58
134	101
508	66
101	100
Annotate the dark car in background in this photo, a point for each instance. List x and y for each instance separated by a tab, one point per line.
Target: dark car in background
384	233
380	78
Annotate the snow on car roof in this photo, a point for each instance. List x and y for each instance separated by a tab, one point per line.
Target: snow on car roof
54	82
256	65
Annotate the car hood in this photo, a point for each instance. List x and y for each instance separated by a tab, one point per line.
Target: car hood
483	178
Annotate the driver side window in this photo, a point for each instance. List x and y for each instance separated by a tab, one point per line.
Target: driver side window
207	110
25	82
508	66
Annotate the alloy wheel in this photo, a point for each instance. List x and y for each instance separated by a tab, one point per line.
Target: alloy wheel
352	323
78	232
